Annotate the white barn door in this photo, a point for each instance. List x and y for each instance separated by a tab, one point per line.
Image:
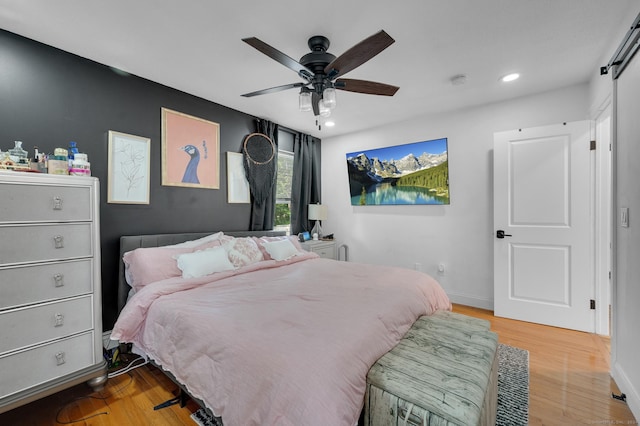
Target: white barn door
543	250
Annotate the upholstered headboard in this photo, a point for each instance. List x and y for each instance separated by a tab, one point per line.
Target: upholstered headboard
132	242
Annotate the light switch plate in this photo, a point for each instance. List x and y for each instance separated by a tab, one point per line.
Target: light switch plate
624	217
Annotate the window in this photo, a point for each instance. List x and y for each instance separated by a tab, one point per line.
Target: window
283	191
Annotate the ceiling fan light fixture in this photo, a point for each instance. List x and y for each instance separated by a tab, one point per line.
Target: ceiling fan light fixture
329	97
324	110
304	101
320	68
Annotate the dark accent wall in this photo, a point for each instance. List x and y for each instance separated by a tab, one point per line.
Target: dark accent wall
49	97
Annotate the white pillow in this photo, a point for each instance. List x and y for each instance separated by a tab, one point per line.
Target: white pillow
204	262
198	242
280	250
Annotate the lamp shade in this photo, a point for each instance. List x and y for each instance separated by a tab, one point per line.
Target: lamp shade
324	110
305	100
318	212
329	97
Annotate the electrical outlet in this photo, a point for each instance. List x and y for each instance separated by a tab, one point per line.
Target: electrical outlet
441	269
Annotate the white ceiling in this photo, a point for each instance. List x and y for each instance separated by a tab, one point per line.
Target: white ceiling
195	46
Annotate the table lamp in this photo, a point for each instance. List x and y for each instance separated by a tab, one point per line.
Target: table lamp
317	212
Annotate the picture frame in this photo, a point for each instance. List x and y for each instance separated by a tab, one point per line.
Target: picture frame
190	151
129	165
237	184
410	174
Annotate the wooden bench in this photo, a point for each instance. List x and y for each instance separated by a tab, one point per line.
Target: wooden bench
444	371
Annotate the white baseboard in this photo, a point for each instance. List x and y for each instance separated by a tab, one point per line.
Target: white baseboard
626	387
476	302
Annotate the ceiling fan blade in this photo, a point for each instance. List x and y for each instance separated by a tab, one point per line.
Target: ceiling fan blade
274	89
365	86
315	98
359	54
277	55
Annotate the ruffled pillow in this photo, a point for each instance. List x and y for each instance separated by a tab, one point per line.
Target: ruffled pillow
280	250
261	240
144	266
204	262
199	241
242	251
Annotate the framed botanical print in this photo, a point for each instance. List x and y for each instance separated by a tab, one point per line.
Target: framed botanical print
128	175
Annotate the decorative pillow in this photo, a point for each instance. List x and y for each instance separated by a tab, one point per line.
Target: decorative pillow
204	262
198	242
147	265
280	250
243	251
261	240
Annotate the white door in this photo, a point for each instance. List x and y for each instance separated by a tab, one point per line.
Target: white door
543	266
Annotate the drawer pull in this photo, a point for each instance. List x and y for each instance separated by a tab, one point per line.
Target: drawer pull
58	279
60	358
59	320
58	241
57	203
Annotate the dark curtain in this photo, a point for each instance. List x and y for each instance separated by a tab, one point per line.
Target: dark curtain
305	185
263	213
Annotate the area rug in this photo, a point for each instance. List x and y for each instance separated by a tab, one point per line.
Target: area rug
513	390
513	386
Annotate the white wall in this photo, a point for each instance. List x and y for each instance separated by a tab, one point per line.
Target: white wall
461	234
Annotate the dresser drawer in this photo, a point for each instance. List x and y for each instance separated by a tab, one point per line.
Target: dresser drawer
327	252
22	370
24	285
31	325
39	243
325	249
44	203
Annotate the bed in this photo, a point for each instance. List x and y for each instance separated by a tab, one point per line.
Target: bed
287	339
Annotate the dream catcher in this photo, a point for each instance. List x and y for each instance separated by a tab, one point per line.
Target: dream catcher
259	164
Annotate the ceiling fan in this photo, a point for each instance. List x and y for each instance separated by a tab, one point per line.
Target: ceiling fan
320	71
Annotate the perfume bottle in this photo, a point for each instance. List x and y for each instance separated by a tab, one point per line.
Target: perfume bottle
18	154
72	151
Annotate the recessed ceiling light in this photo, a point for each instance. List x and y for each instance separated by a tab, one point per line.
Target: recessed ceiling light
510	77
329	123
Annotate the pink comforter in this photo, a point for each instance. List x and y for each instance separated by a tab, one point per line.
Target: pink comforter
285	345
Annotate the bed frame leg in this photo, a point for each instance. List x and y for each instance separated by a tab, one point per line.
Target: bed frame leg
180	399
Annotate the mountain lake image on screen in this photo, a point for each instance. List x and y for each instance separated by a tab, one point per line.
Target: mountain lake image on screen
415	173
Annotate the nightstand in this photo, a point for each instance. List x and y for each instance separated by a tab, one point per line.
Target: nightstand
326	249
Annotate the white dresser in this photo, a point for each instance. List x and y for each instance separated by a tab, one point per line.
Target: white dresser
50	296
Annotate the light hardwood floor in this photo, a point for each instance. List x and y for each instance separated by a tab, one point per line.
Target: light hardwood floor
569	381
569	385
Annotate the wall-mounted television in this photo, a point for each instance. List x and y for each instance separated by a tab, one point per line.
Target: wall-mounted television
414	173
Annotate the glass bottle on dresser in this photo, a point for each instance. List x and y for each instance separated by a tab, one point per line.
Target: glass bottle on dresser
18	154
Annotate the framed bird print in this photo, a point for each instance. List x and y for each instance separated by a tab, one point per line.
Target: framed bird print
190	151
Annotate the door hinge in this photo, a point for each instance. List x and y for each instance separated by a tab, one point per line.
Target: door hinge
592	146
592	304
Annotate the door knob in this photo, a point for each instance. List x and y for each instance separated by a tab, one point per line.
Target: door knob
500	234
